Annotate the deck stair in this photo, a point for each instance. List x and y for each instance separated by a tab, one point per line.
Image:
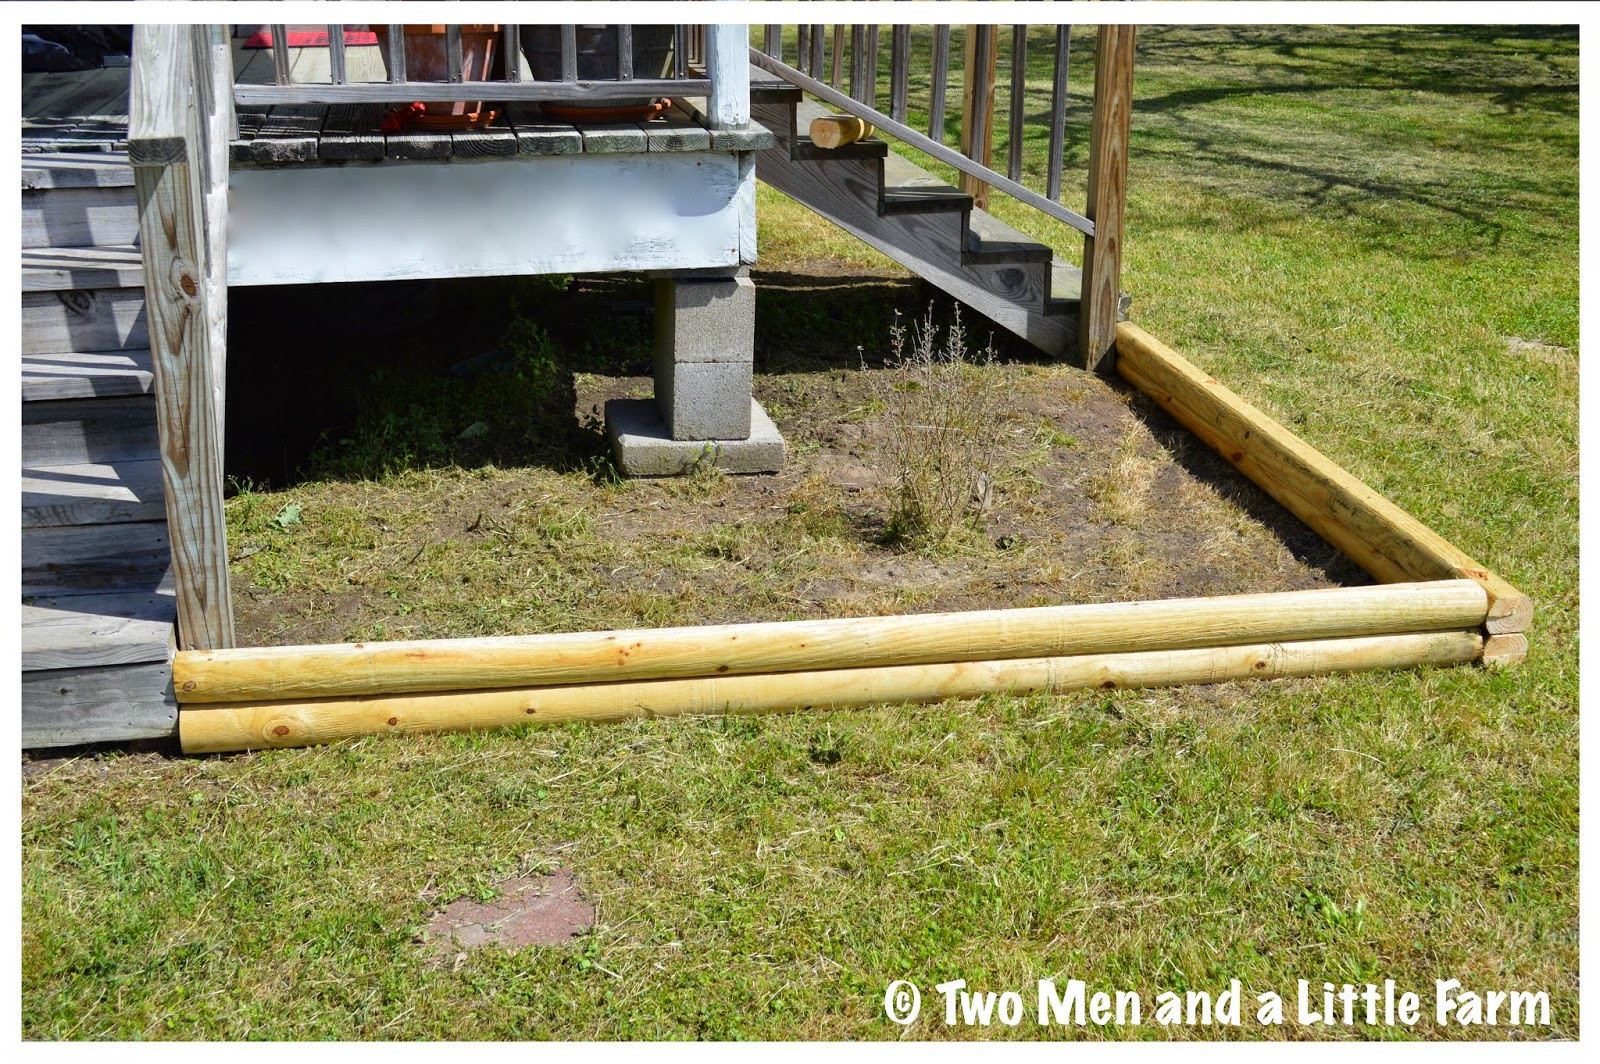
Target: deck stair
919	221
97	604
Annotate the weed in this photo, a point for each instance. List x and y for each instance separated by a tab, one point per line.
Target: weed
944	411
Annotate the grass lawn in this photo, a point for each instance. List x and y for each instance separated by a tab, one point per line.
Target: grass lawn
1370	233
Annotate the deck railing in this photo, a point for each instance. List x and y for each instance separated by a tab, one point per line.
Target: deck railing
687	75
845	76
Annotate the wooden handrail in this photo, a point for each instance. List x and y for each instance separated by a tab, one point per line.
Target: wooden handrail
901	131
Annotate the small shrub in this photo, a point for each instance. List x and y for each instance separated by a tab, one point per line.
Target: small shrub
943	411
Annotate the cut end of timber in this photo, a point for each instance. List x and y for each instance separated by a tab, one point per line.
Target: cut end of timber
1509	614
1502	650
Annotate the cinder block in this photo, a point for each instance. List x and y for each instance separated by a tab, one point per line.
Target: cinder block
643	448
704	400
706	319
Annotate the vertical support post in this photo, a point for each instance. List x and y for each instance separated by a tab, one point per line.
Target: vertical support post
168	152
899	71
280	55
818	44
940	81
836	78
397	53
1108	189
569	53
728	67
452	52
858	56
336	67
871	99
213	61
511	49
802	59
977	109
1019	88
1058	111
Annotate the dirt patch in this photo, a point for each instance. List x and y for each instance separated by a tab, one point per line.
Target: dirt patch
1102	498
527	911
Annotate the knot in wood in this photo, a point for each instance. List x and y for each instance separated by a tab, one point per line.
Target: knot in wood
184	282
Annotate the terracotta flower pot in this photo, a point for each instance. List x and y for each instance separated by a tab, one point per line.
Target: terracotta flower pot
426	60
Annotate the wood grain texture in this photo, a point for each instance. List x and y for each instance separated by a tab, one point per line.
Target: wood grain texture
94	558
78	217
251	673
74	631
73	375
1511	648
728	66
66	707
1378	535
93	494
258	725
57	269
47	170
1108	192
94	431
83	320
179	300
161	78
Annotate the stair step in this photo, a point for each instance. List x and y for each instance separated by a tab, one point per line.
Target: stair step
58	269
93	494
803	148
81	631
769	88
82	559
77	375
72	432
44	170
1066	291
89	320
990	240
79	217
909	189
109	704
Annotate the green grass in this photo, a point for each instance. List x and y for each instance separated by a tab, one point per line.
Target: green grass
1370	233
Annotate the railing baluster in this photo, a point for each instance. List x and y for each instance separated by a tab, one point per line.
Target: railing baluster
871	99
899	71
802	59
818	43
397	53
569	53
977	109
680	60
772	41
1019	90
625	53
858	50
1058	111
280	55
336	68
837	77
452	52
511	48
941	78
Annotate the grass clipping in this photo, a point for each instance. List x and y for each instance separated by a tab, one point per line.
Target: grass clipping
944	410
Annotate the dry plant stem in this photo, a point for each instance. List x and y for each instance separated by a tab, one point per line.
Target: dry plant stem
944	416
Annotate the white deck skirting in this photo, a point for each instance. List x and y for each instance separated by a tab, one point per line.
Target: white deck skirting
521	215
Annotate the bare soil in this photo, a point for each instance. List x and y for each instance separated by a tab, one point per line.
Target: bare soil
1102	497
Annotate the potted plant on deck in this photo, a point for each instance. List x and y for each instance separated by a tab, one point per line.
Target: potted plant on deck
427	60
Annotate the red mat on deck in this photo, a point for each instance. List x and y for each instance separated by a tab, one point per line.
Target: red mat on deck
311	38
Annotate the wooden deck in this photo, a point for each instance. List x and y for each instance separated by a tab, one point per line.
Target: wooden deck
82	111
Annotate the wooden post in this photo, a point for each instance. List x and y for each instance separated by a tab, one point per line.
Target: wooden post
977	109
1108	192
168	152
728	67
